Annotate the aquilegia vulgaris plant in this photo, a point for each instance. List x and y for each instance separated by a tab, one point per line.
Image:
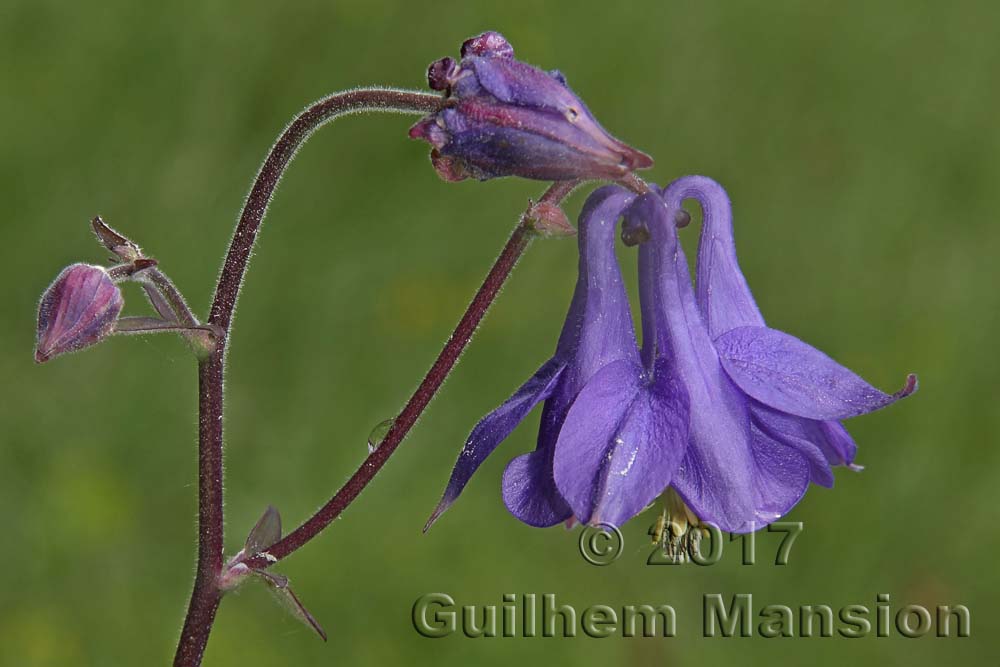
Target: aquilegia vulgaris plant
724	419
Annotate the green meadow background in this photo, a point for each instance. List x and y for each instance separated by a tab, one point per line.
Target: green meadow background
859	142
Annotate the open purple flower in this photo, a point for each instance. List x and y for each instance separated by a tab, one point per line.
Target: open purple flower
735	417
726	303
507	118
604	474
748	462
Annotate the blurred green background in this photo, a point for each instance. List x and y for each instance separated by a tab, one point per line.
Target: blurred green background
859	142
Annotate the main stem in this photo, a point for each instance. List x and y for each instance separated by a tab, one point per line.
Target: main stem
206	595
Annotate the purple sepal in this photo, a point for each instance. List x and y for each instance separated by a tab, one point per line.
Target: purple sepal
78	309
494	428
726	303
598	331
621	443
782	372
507	118
733	474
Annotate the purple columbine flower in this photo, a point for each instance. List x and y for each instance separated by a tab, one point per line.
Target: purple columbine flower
747	461
737	423
79	309
507	118
598	334
726	303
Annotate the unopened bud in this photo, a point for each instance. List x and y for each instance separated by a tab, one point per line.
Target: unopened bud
78	310
507	118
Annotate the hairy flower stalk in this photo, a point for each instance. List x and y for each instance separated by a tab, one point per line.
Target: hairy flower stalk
207	594
446	360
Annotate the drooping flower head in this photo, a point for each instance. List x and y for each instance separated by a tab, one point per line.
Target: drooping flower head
747	387
734	417
78	309
598	332
507	118
726	303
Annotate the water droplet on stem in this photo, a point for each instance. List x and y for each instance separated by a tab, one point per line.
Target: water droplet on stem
378	434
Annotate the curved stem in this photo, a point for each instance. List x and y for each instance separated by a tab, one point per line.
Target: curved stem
498	274
206	595
307	122
459	339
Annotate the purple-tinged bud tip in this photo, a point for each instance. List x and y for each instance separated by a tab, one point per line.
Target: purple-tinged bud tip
490	44
506	118
442	73
78	310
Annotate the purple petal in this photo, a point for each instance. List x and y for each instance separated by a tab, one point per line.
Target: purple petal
723	295
837	444
598	331
832	439
781	479
765	481
494	428
725	301
598	328
501	140
771	423
521	85
782	372
529	491
621	443
731	475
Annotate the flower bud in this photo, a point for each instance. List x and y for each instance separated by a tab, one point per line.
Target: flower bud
507	118
79	309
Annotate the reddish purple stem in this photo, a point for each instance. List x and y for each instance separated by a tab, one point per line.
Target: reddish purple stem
443	365
206	596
